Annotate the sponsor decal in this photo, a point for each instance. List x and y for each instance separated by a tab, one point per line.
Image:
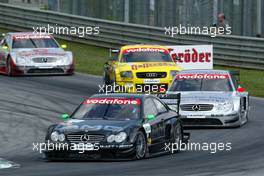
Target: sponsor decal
133	50
202	76
112	101
149	65
22	37
151	81
193	56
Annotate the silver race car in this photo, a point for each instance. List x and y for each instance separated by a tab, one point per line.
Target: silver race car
33	53
211	98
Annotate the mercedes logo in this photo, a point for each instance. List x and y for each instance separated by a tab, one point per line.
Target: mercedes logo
151	75
85	138
196	107
44	59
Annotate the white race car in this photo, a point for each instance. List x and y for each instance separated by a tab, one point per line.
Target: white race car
27	53
210	98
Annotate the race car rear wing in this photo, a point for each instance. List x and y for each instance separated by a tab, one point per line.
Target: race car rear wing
172	100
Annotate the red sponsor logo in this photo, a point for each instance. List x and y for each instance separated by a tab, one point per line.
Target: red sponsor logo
149	65
112	101
202	76
133	50
22	37
192	56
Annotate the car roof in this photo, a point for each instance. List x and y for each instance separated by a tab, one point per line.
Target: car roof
121	95
204	71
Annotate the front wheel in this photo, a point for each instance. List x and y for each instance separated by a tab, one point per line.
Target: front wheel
9	69
140	146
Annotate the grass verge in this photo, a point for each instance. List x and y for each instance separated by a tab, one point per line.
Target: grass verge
90	59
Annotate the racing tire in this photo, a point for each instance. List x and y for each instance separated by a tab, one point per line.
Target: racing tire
177	137
243	118
141	148
9	69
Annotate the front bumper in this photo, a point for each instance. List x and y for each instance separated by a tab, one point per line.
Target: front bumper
105	152
35	70
143	85
212	120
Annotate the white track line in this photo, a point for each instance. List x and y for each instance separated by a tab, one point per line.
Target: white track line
4	164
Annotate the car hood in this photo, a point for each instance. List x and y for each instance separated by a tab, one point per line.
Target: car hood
148	66
194	97
98	126
35	52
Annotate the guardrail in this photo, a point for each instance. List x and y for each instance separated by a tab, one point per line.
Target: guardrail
243	52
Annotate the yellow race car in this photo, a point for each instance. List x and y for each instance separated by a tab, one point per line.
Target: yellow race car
140	69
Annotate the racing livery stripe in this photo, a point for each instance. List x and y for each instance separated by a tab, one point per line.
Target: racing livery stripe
112	101
202	76
145	50
22	37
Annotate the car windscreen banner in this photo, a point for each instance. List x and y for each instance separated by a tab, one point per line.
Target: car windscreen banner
193	56
120	101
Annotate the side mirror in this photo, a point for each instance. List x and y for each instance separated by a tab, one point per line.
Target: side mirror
65	116
241	89
64	46
150	117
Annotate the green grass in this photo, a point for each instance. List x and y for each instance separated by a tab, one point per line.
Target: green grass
90	59
252	80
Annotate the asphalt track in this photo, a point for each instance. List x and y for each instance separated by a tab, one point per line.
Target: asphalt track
28	105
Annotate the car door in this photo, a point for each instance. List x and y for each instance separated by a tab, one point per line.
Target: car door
157	134
166	116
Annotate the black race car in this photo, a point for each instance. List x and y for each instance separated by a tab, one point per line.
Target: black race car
123	126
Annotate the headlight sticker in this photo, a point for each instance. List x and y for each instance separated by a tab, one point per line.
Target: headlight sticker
147	128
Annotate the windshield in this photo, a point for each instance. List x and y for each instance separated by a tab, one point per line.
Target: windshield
35	43
113	111
146	56
201	84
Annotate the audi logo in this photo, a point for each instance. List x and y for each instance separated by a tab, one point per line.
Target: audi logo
151	75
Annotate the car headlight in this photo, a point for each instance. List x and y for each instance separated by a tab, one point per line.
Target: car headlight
61	137
68	60
111	138
226	106
120	137
21	60
173	73
126	74
54	136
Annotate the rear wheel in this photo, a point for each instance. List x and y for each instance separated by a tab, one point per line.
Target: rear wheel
177	136
140	146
